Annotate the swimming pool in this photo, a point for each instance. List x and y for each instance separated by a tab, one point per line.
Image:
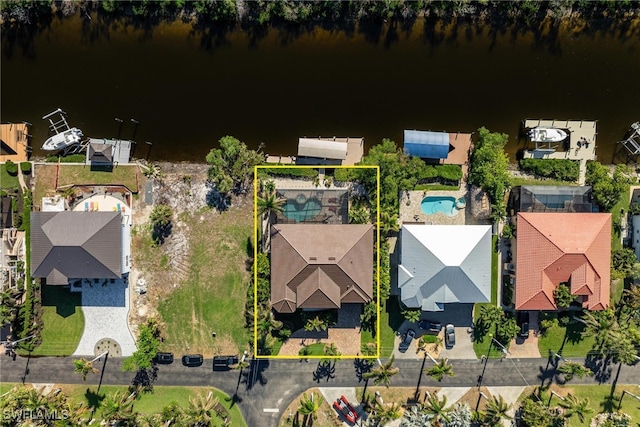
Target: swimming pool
300	212
439	204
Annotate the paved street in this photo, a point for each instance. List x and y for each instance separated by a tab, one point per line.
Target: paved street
271	384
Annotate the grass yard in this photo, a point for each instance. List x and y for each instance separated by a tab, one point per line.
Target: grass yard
75	174
623	204
390	320
212	297
615	292
45	179
494	270
481	346
600	401
63	322
7	181
316	349
146	403
573	346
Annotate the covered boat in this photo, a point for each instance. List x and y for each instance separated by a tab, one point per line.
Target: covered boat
546	134
63	140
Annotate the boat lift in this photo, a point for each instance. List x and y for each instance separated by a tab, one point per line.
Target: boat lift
632	143
61	125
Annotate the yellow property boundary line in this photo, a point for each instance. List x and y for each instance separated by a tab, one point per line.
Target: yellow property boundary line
255	257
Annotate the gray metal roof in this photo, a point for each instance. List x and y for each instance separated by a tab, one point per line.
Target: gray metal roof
322	149
76	245
100	153
444	264
426	144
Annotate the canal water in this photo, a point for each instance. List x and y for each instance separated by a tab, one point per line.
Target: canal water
187	87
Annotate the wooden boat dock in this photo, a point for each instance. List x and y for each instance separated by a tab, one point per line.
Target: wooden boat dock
15	142
581	144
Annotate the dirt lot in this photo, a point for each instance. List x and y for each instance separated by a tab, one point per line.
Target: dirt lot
197	280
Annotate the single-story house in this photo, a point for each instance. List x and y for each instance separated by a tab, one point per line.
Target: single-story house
73	245
555	248
320	266
441	264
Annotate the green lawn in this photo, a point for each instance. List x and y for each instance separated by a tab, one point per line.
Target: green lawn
566	341
316	349
212	298
494	270
390	320
481	345
146	403
75	174
7	181
600	401
63	322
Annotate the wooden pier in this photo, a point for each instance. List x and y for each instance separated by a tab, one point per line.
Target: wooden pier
581	145
15	142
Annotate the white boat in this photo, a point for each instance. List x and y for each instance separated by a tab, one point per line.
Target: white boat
544	134
63	140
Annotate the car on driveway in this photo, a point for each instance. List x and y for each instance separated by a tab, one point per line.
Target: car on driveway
428	325
164	358
523	322
406	340
343	406
449	335
192	360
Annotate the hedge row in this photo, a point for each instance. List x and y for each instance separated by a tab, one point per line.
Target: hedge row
12	168
291	172
559	169
72	158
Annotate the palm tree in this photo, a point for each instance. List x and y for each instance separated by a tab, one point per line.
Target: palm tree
571	369
383	373
573	406
436	409
603	326
385	413
331	350
440	369
315	324
495	411
388	223
490	314
84	367
201	409
310	405
269	204
161	215
119	407
632	300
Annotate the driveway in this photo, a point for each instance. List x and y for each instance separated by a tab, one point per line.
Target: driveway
463	348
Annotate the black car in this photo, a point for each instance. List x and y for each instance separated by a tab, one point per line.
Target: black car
523	322
164	358
406	340
224	363
192	360
428	325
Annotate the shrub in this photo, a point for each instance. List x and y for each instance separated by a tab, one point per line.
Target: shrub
12	168
560	169
25	167
291	172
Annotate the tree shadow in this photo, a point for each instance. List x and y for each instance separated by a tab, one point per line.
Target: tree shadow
66	302
215	199
600	367
94	399
145	378
362	366
254	374
325	369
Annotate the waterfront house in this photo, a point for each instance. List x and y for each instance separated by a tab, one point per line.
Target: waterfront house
562	248
77	245
441	264
320	266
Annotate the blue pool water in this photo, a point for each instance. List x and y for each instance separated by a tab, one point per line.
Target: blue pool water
300	212
439	204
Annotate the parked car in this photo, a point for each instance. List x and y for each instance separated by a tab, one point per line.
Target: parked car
523	322
449	335
428	325
406	340
343	406
164	358
224	363
192	360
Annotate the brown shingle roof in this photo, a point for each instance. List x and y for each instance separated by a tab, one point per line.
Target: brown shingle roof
320	266
553	248
76	245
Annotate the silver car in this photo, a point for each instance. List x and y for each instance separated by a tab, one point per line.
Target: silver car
449	335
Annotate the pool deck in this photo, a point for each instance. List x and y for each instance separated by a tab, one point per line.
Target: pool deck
411	211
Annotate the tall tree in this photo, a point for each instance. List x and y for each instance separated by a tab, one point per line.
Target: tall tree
118	407
383	372
231	165
440	369
84	367
309	406
495	411
437	410
576	407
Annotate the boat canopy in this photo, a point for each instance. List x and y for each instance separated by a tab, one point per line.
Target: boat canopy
308	147
426	144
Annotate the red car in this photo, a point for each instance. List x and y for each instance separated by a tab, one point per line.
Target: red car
343	406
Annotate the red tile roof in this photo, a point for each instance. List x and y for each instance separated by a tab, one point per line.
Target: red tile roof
553	248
